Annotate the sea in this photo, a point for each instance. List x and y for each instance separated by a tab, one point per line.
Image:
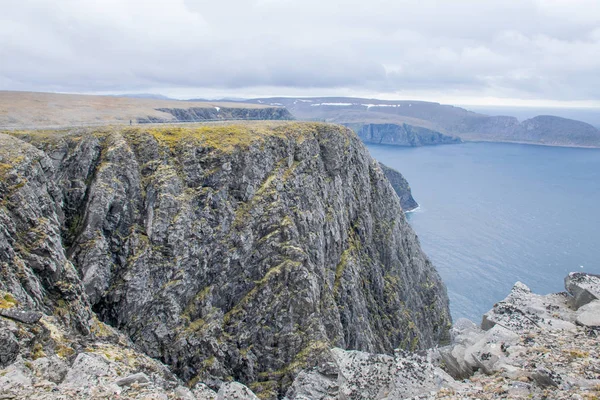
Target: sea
492	214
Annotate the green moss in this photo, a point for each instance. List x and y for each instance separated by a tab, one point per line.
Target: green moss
8	301
265	390
37	351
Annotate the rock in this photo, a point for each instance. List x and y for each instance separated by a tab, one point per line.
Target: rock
235	390
313	386
401	187
523	311
9	348
27	317
183	393
544	378
224	257
52	369
86	371
14	378
584	287
363	375
203	392
589	314
140	377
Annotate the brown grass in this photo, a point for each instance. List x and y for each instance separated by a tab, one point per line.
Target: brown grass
30	109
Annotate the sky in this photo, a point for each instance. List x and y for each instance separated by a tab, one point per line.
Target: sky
487	52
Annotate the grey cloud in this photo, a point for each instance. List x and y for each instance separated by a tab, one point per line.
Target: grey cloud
517	48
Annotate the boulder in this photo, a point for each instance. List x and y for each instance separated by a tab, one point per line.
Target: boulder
589	314
27	317
140	377
235	390
584	287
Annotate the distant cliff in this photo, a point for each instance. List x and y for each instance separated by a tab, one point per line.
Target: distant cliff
441	118
543	129
401	187
401	135
197	114
228	252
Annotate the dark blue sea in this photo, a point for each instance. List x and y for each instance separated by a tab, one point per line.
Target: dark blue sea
493	214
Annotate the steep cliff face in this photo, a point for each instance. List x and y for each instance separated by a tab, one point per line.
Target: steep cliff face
195	114
228	252
401	187
401	135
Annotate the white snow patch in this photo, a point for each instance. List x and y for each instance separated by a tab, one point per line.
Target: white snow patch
217	108
333	104
380	105
305	101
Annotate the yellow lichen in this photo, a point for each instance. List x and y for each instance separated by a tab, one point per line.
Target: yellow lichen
8	301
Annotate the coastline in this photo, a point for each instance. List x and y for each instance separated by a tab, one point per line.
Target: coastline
573	146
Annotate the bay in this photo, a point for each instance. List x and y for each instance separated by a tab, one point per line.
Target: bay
492	214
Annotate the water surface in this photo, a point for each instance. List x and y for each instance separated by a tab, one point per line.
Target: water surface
492	214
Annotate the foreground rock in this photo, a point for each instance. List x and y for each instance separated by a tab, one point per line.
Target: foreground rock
532	347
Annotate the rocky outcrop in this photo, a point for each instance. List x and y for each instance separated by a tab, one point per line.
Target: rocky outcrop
197	114
401	135
531	346
227	252
401	187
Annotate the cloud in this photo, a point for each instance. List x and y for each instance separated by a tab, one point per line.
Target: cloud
529	49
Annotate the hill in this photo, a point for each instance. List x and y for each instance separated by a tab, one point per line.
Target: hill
35	110
444	119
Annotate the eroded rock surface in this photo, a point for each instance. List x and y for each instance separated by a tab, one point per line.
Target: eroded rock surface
227	252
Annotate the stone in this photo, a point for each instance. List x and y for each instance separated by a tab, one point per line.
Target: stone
86	371
9	348
544	378
27	317
140	377
584	287
589	314
235	390
203	392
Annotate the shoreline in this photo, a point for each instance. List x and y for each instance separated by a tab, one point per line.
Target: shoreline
571	146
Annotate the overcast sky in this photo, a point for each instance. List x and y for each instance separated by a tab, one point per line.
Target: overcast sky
541	52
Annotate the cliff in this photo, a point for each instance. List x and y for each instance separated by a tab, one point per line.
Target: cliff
198	114
442	119
401	135
401	187
228	252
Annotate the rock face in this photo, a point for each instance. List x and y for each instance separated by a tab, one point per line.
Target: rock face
401	135
531	346
401	187
584	288
227	252
196	114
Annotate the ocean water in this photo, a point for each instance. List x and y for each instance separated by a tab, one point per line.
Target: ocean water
492	214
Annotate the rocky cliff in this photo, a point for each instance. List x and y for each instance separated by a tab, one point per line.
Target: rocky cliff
401	187
241	252
401	135
198	114
440	118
